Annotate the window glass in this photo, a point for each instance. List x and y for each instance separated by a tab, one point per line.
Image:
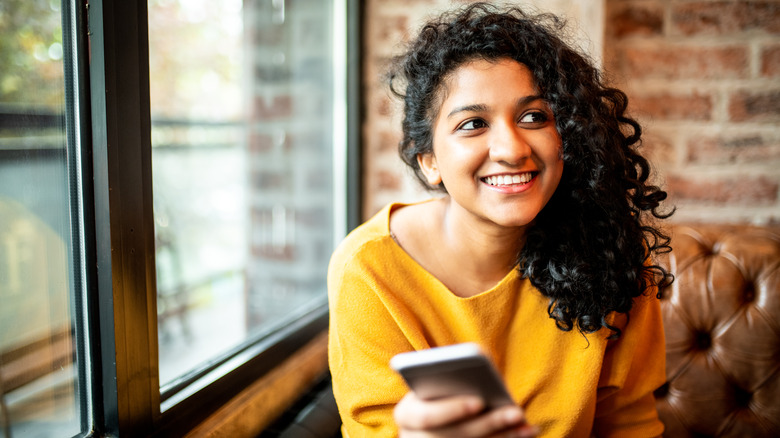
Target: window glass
242	155
39	394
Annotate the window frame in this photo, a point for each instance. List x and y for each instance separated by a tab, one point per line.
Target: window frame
119	246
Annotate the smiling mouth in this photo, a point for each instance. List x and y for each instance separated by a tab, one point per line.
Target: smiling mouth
509	180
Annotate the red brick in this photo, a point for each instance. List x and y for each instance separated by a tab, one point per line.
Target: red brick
763	106
673	107
635	20
723	150
726	17
387	141
274	252
684	62
260	143
280	107
742	191
384	106
657	149
386	180
770	61
389	30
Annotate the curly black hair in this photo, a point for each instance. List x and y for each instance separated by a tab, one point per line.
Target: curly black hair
591	247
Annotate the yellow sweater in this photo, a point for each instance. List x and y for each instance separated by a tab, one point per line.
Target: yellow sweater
382	303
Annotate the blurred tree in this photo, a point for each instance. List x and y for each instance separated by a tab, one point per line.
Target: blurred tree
195	59
31	69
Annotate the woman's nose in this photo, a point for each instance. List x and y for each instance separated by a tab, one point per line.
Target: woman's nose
508	145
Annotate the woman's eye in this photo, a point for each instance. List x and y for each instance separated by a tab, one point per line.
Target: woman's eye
534	117
473	124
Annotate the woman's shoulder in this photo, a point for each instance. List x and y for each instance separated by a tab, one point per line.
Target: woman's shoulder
412	225
375	239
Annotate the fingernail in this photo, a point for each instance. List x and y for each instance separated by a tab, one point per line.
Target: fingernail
512	416
474	404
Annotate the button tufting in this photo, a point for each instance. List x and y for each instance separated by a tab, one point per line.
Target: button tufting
742	398
662	391
709	250
702	341
749	293
722	360
715	250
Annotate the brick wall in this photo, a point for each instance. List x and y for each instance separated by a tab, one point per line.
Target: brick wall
289	156
386	28
703	77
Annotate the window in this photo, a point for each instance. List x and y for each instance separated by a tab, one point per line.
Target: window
41	268
242	170
172	181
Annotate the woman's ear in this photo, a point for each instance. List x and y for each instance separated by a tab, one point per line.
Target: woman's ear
429	168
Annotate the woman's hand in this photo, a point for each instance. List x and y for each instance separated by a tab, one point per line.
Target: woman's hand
461	416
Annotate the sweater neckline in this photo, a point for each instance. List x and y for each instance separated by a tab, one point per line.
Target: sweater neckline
440	287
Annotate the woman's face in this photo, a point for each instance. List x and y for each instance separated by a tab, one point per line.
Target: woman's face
495	146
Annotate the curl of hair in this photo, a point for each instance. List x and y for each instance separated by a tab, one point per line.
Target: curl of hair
590	248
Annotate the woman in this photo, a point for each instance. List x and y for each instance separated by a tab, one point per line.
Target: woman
539	250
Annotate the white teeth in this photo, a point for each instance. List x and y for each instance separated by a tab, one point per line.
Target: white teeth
505	180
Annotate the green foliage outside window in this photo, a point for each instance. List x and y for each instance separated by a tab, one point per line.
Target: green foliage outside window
31	53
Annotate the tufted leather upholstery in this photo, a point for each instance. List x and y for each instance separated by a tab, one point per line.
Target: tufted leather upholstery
722	324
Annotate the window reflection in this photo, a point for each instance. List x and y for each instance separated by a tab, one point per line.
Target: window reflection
242	116
38	374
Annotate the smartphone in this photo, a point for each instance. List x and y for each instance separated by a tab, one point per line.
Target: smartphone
460	369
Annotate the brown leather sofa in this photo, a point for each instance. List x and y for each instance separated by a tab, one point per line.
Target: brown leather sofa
722	324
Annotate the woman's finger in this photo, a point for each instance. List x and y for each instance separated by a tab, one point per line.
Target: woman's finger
412	413
508	421
459	416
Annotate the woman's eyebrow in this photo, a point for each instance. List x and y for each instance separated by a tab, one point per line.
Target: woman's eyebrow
480	107
473	108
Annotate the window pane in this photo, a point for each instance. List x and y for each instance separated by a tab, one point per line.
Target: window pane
242	116
39	395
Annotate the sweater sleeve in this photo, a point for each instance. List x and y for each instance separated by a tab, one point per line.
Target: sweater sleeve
634	366
363	336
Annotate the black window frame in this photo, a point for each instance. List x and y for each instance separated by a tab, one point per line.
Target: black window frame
110	98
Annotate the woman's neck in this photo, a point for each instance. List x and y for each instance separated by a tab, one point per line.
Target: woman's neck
483	248
467	255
